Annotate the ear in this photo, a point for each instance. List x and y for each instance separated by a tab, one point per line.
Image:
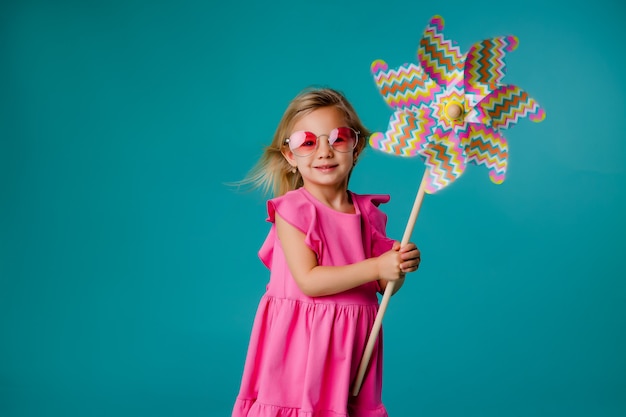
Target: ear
289	157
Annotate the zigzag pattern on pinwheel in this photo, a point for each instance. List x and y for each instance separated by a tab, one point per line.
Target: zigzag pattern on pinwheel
439	57
402	137
404	87
445	164
485	66
381	142
403	130
393	79
507	105
488	147
413	99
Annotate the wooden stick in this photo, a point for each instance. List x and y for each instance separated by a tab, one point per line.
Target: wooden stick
369	347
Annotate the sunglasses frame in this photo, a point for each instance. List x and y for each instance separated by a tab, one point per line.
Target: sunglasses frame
317	142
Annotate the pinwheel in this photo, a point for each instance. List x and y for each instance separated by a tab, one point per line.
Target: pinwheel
449	109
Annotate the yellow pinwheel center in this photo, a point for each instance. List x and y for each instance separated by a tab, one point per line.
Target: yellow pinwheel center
454	110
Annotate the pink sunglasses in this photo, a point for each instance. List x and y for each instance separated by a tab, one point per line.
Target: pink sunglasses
341	139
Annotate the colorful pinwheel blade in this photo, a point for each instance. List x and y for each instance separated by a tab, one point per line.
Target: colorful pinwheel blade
444	158
404	136
484	65
486	146
441	59
505	106
405	87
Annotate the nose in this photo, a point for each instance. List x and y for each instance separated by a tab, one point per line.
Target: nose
324	150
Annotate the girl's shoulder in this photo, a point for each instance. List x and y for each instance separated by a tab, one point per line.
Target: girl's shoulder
293	196
301	204
292	202
369	206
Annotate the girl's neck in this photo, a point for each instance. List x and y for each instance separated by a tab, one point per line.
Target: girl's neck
336	198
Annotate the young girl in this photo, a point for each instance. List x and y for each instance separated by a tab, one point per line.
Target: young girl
328	256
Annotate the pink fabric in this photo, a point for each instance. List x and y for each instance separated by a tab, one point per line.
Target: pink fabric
304	351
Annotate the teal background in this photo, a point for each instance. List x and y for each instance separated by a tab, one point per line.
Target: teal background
128	269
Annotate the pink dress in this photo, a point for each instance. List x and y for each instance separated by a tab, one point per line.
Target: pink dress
304	352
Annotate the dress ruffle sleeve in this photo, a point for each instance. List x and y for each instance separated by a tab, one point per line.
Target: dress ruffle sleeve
298	211
377	220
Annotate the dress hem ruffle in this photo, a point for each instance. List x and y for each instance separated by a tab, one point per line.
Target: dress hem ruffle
252	408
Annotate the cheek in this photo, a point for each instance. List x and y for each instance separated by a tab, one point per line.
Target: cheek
303	161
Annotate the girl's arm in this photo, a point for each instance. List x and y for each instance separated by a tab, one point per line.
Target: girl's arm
315	280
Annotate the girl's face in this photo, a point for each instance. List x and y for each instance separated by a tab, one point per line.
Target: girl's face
325	167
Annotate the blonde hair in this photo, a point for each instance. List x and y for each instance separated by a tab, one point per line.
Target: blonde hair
272	173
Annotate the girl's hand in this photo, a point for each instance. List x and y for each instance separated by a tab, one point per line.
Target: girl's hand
389	264
411	257
393	264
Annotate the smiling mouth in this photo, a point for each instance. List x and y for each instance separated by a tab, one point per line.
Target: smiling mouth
325	166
